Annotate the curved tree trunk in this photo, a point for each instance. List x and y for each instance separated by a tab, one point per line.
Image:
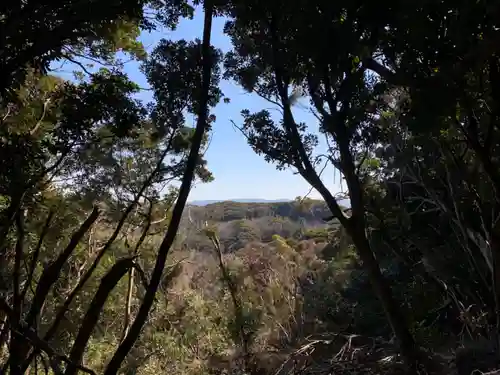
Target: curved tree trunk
356	224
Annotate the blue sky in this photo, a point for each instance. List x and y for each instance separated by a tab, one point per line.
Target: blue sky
238	171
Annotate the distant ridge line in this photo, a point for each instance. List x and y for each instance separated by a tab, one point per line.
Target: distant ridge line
343	202
242	200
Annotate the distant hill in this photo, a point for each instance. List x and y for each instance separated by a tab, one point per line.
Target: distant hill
240	222
343	202
224	211
243	200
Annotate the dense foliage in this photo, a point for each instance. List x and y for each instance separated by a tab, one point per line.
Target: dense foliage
105	269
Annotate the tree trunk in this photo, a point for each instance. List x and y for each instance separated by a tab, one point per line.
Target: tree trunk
187	180
382	289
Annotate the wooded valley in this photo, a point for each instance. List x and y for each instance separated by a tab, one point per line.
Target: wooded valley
106	269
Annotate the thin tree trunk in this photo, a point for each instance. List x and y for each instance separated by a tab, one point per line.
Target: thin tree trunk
108	283
128	304
237	305
16	339
383	291
130	286
136	328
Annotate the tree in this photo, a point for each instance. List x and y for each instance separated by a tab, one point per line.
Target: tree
271	56
88	144
202	98
449	71
34	35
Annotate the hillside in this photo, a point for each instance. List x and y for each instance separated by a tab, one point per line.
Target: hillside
239	223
